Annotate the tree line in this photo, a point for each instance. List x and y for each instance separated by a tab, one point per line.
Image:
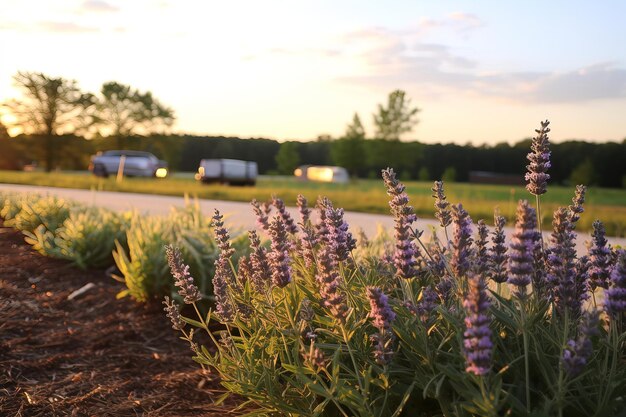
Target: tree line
574	162
62	127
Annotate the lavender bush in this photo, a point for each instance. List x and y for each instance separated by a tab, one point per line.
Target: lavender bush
472	325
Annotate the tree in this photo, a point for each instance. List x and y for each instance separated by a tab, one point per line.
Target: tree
395	119
124	111
349	151
9	158
50	107
449	175
287	158
583	173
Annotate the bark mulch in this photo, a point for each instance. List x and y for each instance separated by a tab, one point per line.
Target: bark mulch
93	355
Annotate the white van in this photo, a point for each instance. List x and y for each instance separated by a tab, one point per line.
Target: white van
227	171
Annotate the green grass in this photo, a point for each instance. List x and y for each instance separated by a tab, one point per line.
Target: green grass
608	205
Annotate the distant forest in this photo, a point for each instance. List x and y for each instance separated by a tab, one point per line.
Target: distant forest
601	164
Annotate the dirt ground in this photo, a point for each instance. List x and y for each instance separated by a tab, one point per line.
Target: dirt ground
93	355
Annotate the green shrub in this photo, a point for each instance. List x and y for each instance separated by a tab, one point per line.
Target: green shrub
142	264
34	211
87	237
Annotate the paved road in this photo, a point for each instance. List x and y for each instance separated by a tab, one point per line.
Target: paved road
237	214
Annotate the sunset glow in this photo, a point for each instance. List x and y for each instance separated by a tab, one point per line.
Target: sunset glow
479	72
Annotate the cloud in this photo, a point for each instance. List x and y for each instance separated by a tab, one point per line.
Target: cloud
98	6
465	22
65	27
402	59
600	81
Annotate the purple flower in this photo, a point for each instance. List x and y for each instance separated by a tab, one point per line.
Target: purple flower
561	267
521	250
259	266
222	237
244	271
406	251
539	161
615	304
279	256
498	258
223	278
308	241
581	278
444	288
285	216
578	352
329	281
180	272
305	212
427	303
576	208
477	336
600	257
481	261
171	310
383	351
339	239
383	317
321	230
380	311
261	213
442	207
460	262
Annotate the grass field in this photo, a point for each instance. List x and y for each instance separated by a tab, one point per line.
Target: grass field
608	205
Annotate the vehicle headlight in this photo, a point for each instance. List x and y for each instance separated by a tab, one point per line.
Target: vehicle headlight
161	173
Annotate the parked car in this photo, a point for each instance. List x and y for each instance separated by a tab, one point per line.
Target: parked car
136	164
322	173
227	171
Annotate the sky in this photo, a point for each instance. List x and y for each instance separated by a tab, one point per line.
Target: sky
480	72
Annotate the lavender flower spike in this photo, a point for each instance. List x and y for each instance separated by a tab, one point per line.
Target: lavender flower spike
477	342
186	288
498	258
223	279
284	214
171	310
381	312
261	214
481	261
561	267
279	256
305	211
461	241
600	257
260	269
329	282
406	251
339	238
615	303
442	212
539	161
576	208
521	250
577	353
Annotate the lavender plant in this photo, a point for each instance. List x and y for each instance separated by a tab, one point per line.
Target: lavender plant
460	328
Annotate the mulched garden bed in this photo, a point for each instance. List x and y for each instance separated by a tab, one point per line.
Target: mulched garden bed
93	355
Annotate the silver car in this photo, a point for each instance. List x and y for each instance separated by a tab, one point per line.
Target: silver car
135	164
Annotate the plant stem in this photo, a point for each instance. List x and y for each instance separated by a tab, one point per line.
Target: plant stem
526	353
539	221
